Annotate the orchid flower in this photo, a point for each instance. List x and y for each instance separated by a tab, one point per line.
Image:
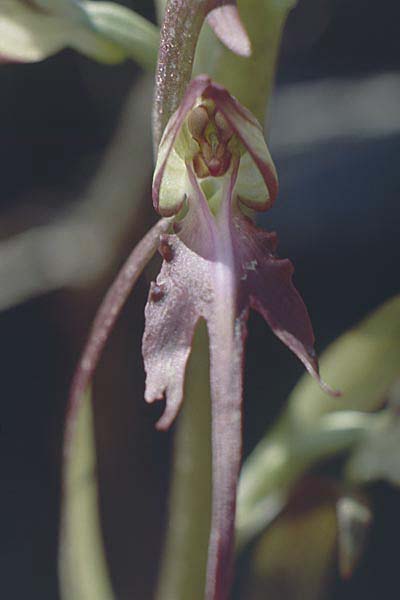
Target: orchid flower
213	166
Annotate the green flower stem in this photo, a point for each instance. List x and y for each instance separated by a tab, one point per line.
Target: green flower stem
185	558
160	9
283	457
180	31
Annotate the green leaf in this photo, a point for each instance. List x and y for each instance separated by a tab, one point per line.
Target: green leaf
363	363
377	456
183	568
135	35
105	31
354	520
282	457
64	8
82	563
294	557
29	35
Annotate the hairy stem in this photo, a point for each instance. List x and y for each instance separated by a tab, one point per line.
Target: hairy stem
179	34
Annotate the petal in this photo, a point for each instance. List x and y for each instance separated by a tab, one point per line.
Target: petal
266	283
171	313
106	317
228	27
182	294
249	131
169	175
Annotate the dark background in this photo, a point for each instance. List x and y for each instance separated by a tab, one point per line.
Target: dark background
337	218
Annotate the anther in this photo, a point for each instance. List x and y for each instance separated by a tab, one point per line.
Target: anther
198	121
225	130
200	166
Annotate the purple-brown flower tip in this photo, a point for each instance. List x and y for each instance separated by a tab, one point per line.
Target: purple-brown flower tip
328	389
228	27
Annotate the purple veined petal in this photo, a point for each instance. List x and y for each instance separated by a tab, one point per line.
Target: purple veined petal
171	314
105	320
228	27
266	284
181	296
193	92
250	133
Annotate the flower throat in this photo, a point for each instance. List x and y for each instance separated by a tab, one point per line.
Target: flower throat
212	132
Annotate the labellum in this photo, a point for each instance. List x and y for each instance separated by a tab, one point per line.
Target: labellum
213	166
